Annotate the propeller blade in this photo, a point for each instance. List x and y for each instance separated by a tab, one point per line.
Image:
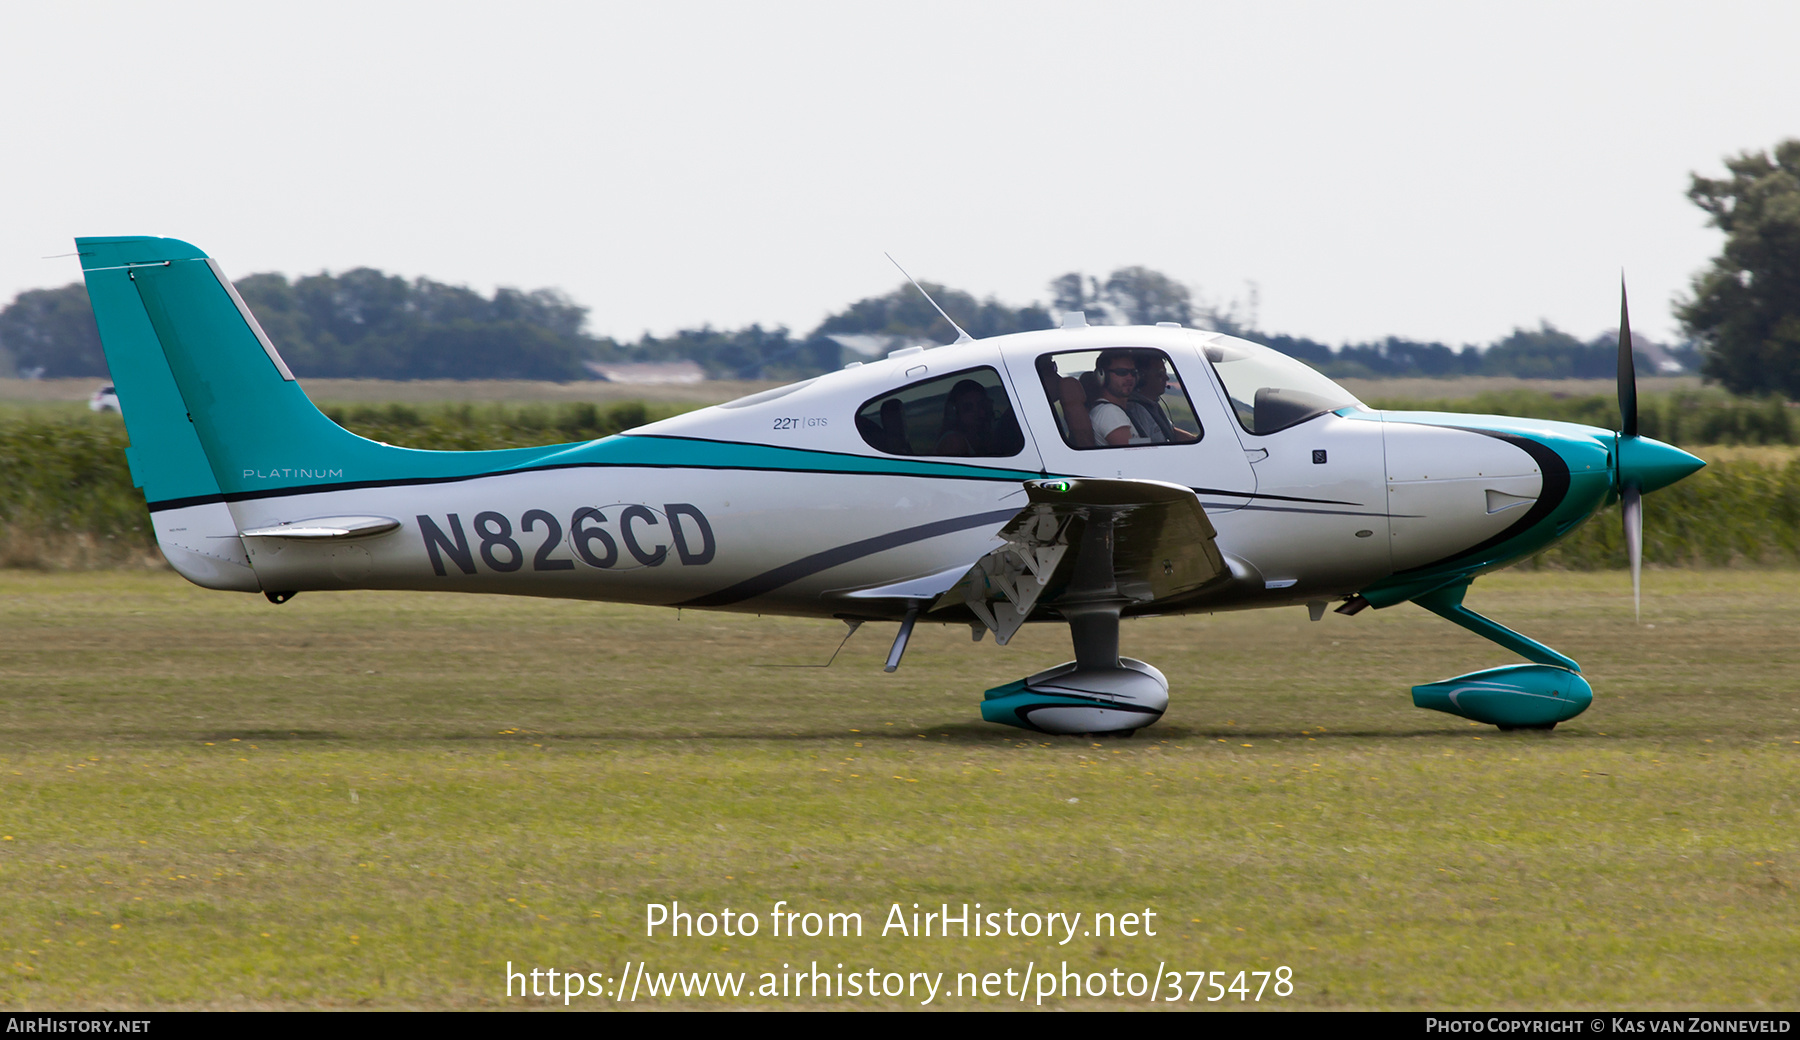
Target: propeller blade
1631	506
1628	408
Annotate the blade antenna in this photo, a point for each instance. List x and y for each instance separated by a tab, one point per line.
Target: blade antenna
961	336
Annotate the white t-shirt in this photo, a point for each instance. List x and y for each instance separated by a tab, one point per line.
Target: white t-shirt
1108	417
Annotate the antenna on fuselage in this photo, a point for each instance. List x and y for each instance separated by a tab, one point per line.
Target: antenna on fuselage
961	336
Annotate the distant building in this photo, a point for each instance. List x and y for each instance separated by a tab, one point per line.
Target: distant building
1657	354
647	373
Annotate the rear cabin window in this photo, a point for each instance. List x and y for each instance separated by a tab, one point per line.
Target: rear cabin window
964	414
1118	398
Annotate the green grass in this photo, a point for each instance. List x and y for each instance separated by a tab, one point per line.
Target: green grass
369	799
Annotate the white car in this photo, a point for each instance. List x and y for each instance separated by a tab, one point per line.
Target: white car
105	399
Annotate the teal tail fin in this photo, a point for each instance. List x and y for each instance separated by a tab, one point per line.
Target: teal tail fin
215	416
211	408
166	456
207	399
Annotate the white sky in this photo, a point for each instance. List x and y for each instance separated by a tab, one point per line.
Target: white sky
1438	171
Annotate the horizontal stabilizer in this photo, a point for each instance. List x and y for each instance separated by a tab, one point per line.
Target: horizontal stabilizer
327	527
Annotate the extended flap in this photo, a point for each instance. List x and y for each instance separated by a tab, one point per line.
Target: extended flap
1091	539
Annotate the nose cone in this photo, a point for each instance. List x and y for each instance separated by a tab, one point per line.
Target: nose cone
1652	464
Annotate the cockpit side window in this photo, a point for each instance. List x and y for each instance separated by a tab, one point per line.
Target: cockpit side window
964	414
1118	398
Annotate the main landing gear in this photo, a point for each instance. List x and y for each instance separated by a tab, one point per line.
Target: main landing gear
1099	691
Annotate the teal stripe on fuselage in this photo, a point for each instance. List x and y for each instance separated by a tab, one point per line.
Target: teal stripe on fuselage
389	466
630	450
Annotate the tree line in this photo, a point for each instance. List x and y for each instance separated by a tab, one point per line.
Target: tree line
1743	319
359	324
364	324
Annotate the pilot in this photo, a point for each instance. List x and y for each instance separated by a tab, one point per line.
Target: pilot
1117	378
1148	409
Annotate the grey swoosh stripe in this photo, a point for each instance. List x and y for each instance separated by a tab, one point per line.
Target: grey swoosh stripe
770	580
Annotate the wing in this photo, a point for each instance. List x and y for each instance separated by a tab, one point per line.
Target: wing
1089	541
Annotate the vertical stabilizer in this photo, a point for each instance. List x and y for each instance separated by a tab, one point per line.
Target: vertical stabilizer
236	395
211	407
213	412
195	531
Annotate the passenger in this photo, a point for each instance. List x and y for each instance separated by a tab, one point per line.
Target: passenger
1117	376
969	424
1067	402
893	428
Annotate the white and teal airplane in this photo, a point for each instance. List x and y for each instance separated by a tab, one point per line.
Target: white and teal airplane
1077	475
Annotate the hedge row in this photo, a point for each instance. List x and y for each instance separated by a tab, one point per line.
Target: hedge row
66	498
1700	417
467	427
1732	512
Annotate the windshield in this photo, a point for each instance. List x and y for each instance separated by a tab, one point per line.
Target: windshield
1270	391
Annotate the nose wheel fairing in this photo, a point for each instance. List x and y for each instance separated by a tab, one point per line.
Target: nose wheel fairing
1517	696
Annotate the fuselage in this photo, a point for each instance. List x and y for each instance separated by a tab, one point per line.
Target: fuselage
794	500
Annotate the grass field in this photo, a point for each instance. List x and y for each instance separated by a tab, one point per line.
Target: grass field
378	800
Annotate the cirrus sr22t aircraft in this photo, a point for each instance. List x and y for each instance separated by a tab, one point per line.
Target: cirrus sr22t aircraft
1074	476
